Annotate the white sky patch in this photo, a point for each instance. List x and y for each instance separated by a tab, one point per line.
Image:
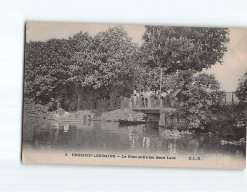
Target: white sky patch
234	61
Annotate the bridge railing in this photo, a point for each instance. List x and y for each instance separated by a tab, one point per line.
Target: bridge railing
152	102
220	98
224	98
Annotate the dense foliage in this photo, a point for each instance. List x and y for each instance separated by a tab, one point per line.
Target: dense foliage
82	70
183	48
242	89
47	69
192	96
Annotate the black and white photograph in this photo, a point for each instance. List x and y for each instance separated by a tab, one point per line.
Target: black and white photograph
134	95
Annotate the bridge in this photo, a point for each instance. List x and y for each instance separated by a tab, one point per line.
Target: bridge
160	114
157	114
153	110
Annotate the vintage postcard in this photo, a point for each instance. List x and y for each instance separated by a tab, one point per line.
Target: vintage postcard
135	95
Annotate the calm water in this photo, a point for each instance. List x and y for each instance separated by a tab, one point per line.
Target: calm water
111	137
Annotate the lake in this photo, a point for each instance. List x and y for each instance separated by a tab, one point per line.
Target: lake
110	137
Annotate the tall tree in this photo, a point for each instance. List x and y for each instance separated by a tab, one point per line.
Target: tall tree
82	65
183	48
116	59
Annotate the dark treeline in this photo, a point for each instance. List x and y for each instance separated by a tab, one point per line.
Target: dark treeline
85	72
82	70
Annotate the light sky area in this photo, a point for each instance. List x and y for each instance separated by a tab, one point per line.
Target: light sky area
232	69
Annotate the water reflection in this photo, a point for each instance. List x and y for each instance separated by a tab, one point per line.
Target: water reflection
110	137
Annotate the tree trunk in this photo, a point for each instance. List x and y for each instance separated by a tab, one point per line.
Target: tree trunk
113	97
79	96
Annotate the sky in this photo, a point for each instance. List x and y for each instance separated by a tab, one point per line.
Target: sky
228	74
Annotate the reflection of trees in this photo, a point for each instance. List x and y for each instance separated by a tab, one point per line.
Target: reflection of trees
174	142
113	138
189	144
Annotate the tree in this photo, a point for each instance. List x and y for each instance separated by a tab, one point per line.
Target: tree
193	96
82	65
115	58
183	48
